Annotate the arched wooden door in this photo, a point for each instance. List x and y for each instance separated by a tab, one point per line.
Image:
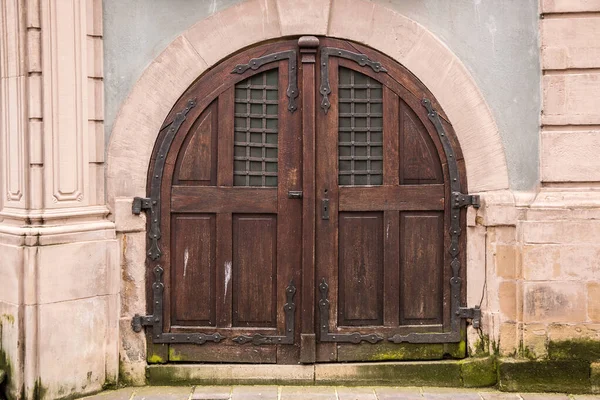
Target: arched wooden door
305	205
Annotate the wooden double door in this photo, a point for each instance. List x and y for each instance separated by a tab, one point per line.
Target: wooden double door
300	211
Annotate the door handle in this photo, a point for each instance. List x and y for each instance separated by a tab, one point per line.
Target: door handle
294	194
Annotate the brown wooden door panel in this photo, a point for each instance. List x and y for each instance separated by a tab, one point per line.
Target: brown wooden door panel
360	269
421	272
254	270
372	218
193	275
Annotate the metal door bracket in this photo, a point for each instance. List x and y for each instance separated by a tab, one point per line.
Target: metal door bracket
361	59
326	336
290	310
141	204
473	314
290	55
464	200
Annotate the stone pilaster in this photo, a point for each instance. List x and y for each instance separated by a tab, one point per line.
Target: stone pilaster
61	266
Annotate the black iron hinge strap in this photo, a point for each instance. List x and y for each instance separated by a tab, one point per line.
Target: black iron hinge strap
290	310
155	320
290	55
361	59
151	205
326	336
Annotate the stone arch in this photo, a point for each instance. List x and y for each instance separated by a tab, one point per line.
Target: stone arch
252	21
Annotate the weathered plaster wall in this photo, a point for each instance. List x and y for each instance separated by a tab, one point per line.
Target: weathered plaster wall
496	39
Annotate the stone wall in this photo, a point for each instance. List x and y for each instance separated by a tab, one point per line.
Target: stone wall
72	254
542	253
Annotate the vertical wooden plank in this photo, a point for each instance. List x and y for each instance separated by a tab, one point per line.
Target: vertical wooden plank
225	111
224	267
391	130
308	49
360	269
289	214
327	188
254	272
422	266
193	270
391	262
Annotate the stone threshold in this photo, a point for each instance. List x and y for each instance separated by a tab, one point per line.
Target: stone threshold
473	372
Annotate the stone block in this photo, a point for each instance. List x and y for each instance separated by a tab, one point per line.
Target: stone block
11	273
593	289
556	232
479	372
475	263
535	338
570	156
132	354
74	336
565	332
507	292
574	349
258	19
506	261
565	6
509	338
239	374
543	262
133	273
570	43
303	17
428	373
12	348
94	264
125	219
570	99
553	302
543	376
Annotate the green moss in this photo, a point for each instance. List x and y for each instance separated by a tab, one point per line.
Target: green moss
8	318
173	356
580	349
156	359
544	376
479	372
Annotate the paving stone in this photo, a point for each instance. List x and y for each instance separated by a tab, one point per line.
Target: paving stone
359	393
584	397
211	393
398	393
498	396
255	393
163	393
121	394
308	392
549	396
450	394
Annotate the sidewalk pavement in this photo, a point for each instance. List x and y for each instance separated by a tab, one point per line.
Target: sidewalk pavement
320	393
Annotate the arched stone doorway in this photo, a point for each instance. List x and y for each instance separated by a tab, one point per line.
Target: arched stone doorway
305	205
201	47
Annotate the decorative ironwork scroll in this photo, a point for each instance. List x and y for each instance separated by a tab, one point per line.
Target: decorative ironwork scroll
361	59
290	55
326	336
290	310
